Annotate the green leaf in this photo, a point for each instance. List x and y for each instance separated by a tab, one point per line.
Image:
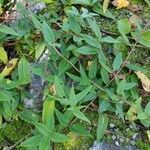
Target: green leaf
94	26
44	144
3	55
148	2
112	95
36	22
117	61
135	67
32	141
82	94
82	2
109	39
119	111
74	24
61	117
64	65
98	8
75	78
48	113
6	96
29	116
103	61
80	130
59	88
39	49
42	129
105	76
48	33
93	69
121	87
129	86
59	138
24	71
8	30
147	109
72	97
91	41
80	115
102	126
124	26
87	50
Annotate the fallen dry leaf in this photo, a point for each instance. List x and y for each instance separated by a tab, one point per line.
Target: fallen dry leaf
145	80
120	3
9	67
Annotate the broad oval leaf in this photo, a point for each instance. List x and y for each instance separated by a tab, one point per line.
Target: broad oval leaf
117	61
124	26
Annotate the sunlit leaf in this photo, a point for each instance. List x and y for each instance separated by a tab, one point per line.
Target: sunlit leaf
3	55
121	3
9	67
48	113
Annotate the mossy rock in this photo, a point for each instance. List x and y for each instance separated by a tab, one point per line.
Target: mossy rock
13	132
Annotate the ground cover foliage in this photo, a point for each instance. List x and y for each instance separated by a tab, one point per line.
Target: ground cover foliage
89	67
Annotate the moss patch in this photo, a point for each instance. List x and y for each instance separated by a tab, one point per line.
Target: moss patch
13	132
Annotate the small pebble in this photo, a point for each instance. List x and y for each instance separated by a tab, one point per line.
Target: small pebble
111	125
127	139
117	143
121	140
131	126
132	142
113	137
127	129
134	136
116	130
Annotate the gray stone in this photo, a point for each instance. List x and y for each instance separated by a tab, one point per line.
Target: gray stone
113	137
111	125
121	140
107	146
117	143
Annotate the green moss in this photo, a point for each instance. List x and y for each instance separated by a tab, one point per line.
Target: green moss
143	146
75	142
13	132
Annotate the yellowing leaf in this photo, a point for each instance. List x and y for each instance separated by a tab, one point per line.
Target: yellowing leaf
52	89
145	81
9	67
105	6
148	134
3	55
120	3
89	63
132	113
48	1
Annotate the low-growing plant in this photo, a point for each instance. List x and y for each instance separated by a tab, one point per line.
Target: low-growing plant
79	71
